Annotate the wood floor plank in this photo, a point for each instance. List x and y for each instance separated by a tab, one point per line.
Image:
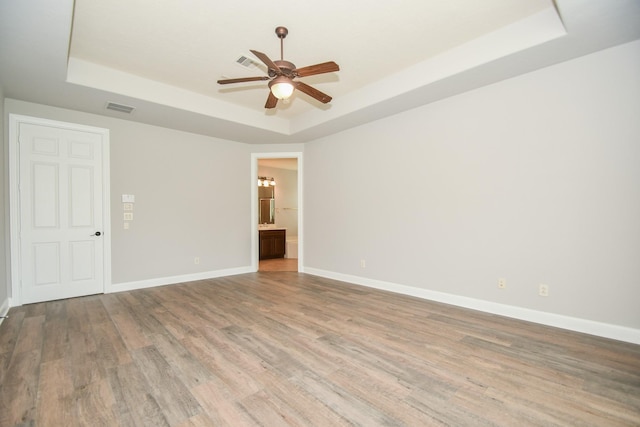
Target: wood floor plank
379	391
124	396
535	405
188	369
110	348
19	389
56	339
175	400
221	405
266	410
31	334
299	407
133	398
228	370
54	395
200	420
37	309
473	406
131	332
95	405
175	325
81	355
299	348
286	348
276	357
96	311
9	332
347	405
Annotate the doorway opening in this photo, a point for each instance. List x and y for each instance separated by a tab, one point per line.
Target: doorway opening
276	206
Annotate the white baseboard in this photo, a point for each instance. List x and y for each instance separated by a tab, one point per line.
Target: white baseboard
621	333
161	281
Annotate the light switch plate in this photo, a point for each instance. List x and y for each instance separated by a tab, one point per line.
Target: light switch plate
127	206
128	198
128	216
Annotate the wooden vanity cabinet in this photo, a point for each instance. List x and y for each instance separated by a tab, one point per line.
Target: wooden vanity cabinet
272	243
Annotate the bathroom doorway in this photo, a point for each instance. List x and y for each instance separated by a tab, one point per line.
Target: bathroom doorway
276	204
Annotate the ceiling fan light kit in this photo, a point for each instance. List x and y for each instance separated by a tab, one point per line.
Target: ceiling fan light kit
281	74
281	87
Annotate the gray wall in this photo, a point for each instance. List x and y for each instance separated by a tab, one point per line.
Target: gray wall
535	179
192	200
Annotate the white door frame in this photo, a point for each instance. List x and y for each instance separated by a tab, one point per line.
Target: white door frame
14	198
254	204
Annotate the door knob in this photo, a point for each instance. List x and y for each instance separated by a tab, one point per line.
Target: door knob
97	233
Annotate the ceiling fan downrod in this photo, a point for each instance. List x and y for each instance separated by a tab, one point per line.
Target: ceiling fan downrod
282	32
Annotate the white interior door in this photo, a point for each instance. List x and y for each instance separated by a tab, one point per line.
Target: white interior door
61	218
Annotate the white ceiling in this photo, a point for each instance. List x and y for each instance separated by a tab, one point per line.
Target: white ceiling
164	57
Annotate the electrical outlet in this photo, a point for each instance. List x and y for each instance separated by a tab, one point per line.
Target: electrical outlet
196	260
543	290
502	283
363	263
126	225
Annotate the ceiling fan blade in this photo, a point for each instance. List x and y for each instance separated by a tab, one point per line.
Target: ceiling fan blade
325	67
271	101
268	62
242	80
313	92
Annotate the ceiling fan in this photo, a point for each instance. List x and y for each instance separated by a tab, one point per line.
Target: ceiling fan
281	73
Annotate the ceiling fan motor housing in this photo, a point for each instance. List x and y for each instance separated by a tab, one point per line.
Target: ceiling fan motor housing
287	69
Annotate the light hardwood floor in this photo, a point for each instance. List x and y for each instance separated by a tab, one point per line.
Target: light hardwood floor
287	348
278	264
